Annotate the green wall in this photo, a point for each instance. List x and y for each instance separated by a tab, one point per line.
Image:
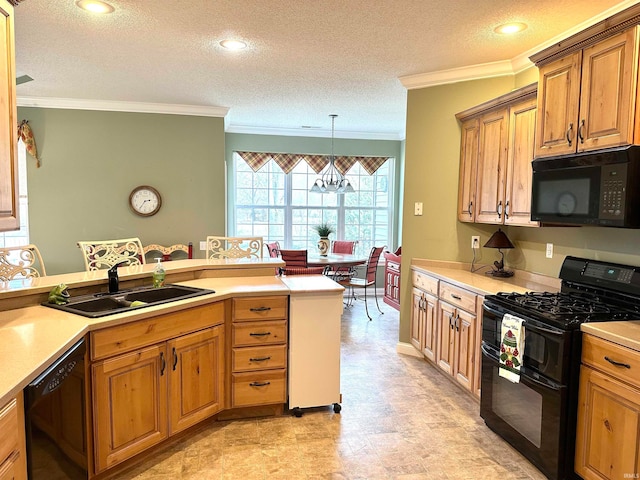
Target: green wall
431	177
312	145
91	160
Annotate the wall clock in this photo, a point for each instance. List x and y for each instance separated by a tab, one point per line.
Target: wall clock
145	200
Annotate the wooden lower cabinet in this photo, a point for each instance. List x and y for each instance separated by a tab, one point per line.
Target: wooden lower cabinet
430	327
608	429
417	319
13	457
142	397
445	344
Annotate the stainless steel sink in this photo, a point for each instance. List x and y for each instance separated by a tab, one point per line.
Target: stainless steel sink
101	304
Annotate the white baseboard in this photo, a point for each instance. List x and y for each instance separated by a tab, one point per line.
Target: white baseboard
408	349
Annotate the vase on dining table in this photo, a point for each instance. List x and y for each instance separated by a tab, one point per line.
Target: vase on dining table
323	246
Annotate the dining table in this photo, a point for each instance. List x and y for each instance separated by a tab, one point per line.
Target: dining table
336	260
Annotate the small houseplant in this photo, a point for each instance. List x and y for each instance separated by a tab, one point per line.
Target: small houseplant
324	230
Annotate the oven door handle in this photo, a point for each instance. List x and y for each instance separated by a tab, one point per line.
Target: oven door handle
526	323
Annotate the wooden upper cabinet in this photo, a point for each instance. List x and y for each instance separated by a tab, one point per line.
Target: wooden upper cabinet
468	162
495	159
8	123
587	99
492	161
522	125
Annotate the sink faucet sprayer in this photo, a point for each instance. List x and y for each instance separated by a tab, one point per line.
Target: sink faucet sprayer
114	281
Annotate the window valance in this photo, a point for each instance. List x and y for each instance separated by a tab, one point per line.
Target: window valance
288	161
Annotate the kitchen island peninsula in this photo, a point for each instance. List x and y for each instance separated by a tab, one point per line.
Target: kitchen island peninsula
157	371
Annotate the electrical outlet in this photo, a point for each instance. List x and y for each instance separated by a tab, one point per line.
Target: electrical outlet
203	246
417	208
475	241
549	250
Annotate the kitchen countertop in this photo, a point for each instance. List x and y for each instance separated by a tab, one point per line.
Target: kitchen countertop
34	336
625	333
460	274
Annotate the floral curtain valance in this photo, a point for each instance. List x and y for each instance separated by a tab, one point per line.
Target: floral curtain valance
288	161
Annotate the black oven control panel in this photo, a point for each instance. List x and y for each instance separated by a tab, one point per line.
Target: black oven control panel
615	274
612	276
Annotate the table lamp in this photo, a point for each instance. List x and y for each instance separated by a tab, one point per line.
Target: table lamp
499	240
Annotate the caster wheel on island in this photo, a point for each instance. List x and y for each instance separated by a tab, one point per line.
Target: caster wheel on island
337	407
297	412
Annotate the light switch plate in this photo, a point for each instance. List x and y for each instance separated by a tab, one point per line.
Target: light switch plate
418	208
549	253
203	246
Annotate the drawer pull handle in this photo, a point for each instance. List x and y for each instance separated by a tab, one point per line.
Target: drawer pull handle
457	297
259	384
617	364
259	359
260	309
163	364
264	334
175	359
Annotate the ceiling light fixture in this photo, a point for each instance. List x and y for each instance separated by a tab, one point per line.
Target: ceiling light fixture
332	181
95	6
510	28
233	44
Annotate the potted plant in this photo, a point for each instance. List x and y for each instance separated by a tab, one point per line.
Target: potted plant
324	230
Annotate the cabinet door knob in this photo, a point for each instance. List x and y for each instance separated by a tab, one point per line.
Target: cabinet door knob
175	358
499	209
506	209
470	209
580	131
163	363
569	136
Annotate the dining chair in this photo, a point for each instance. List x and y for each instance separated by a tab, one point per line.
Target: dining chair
100	254
296	263
342	273
22	261
167	253
369	280
273	249
234	247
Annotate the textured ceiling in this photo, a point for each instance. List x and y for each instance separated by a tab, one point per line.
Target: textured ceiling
306	59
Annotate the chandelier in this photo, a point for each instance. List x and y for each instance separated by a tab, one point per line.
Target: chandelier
331	180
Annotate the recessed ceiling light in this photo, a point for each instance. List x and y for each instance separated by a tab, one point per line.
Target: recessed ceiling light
233	44
509	28
95	6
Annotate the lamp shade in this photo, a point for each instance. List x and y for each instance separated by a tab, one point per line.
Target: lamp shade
499	240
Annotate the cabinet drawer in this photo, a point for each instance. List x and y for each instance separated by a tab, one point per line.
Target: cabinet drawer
458	296
259	358
259	333
596	351
259	308
259	388
425	282
131	336
393	266
9	430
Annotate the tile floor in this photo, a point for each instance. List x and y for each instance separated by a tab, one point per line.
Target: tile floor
401	419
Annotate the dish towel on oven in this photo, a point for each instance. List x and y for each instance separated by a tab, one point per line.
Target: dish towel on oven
511	347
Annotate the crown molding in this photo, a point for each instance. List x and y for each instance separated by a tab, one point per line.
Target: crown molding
514	66
316	133
115	106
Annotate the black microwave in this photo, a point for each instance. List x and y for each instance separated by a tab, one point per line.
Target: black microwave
590	188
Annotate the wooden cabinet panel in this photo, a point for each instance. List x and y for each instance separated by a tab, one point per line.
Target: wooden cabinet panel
417	319
259	388
259	358
607	100
522	125
259	333
8	123
259	308
196	378
611	358
13	455
468	162
130	404
425	283
558	94
492	160
607	440
465	350
430	327
457	296
122	338
11	470
445	354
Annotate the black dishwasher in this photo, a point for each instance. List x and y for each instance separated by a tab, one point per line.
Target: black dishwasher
55	419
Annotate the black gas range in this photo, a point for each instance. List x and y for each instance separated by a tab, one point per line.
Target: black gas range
538	415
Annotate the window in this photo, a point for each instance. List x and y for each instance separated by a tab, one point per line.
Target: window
279	207
19	237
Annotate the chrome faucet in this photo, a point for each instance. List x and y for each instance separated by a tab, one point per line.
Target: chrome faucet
114	281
